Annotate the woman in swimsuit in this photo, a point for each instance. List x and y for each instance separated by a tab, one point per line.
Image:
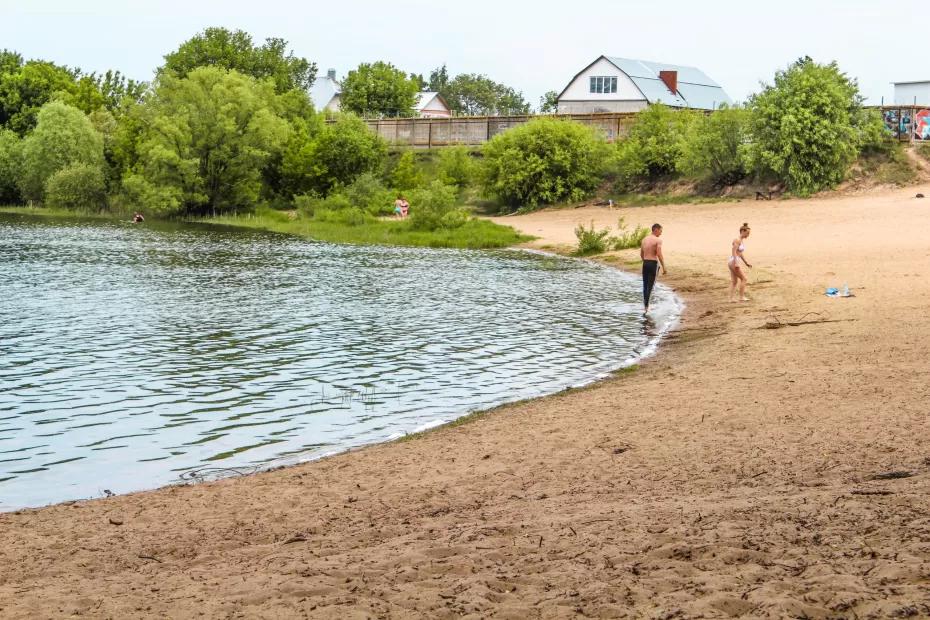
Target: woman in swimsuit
736	255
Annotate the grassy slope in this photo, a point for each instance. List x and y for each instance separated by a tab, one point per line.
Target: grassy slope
474	234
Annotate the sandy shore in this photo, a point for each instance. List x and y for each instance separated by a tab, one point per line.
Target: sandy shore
732	474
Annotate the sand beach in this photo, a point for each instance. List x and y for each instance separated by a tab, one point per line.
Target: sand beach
772	460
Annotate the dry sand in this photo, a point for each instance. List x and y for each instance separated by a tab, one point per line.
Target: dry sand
732	474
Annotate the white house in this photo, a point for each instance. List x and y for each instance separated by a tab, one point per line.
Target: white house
611	84
325	92
431	105
912	93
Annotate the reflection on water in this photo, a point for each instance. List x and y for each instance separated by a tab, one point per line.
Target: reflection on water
131	356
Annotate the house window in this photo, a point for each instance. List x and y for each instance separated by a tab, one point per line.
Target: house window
603	84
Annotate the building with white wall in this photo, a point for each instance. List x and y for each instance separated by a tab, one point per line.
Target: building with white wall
325	92
431	105
912	93
612	84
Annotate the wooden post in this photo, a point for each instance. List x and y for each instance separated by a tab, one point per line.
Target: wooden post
429	135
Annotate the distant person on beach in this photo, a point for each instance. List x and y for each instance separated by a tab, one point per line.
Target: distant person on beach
651	252
137	218
401	207
736	271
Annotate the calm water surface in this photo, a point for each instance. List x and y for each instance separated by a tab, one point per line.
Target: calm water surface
137	356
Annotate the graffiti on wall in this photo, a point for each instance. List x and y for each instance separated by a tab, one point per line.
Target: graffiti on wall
922	125
909	123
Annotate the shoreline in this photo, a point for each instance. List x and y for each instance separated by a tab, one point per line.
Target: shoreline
737	473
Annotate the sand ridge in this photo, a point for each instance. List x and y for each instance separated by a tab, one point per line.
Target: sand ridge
736	473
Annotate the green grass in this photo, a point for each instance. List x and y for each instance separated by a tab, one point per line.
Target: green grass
889	166
46	212
477	234
651	200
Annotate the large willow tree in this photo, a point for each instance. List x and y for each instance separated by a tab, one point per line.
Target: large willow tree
206	140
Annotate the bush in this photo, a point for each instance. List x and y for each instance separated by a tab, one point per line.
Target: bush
545	161
627	239
79	187
654	145
406	176
807	128
342	152
369	194
590	240
716	146
434	207
456	166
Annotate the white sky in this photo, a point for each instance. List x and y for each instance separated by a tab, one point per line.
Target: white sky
532	46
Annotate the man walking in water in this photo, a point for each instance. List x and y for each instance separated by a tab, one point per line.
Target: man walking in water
651	252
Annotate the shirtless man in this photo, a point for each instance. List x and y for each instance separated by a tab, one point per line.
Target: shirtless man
651	252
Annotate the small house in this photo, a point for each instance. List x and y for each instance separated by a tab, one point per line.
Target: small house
325	92
431	105
613	84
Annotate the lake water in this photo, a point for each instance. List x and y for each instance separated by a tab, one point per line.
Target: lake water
137	356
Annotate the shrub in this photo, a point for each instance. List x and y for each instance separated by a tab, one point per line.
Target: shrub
591	240
807	128
456	166
79	187
544	161
369	194
406	176
654	145
434	207
627	239
716	146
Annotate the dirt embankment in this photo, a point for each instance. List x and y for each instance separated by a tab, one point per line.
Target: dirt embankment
742	471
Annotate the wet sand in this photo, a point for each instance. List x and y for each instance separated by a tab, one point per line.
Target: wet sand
738	472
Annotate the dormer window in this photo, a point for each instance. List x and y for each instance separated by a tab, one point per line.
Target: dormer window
603	84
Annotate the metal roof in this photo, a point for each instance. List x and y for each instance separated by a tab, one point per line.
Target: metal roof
695	88
323	90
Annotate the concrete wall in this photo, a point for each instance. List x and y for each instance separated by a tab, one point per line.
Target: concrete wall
474	130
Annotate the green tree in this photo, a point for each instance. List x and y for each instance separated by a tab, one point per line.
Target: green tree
63	136
378	89
340	153
716	146
79	187
654	145
806	126
456	166
208	137
433	208
406	175
544	161
24	91
420	81
234	50
10	166
549	102
471	94
439	79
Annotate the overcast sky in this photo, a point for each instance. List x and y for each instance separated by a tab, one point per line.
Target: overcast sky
532	46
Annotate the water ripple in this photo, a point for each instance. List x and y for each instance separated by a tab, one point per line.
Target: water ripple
130	355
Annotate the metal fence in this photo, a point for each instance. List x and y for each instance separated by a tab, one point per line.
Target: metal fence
474	130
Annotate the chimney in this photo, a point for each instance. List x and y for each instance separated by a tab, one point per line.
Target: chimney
331	74
671	80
